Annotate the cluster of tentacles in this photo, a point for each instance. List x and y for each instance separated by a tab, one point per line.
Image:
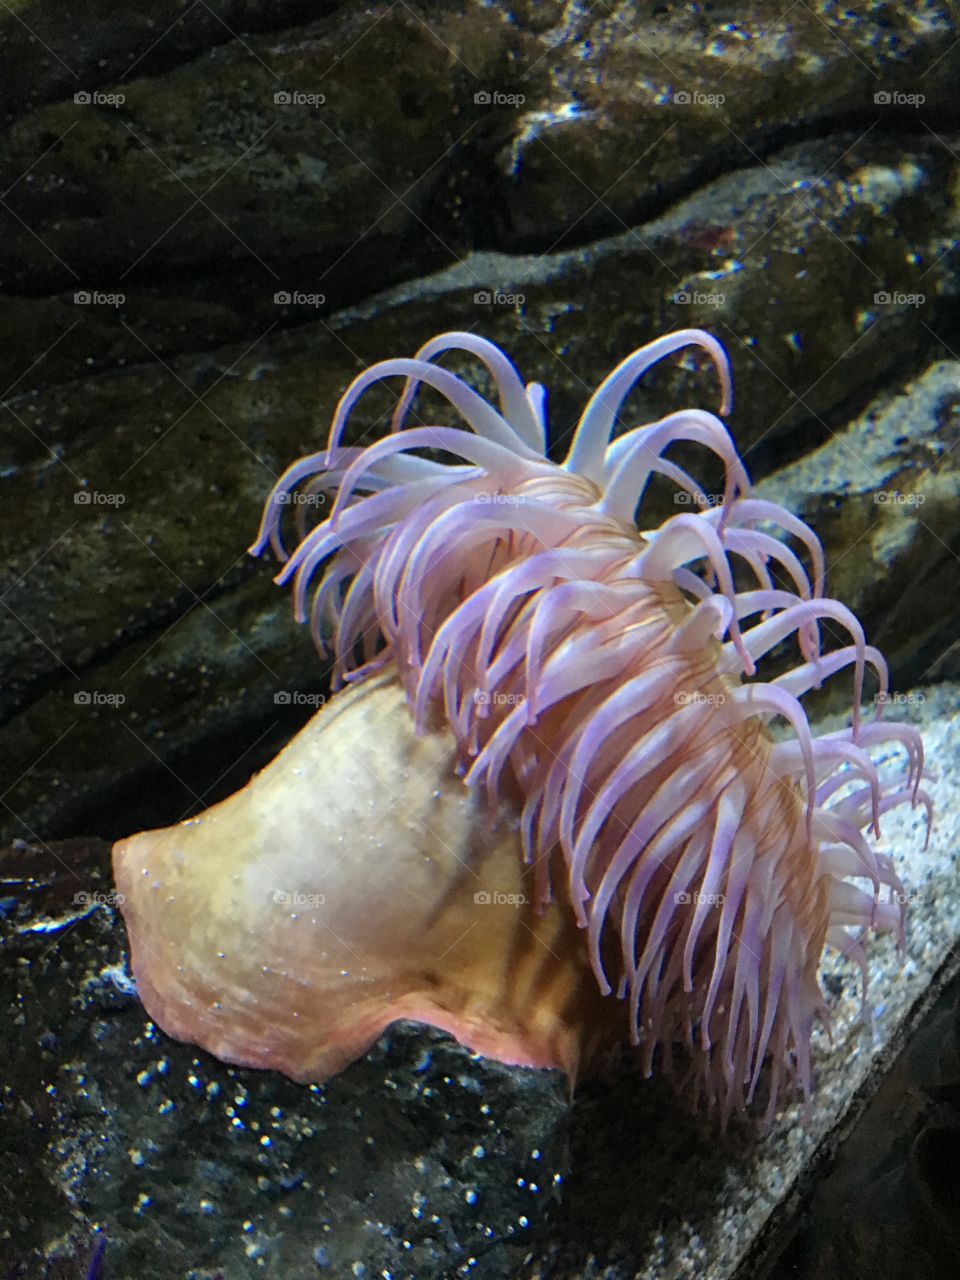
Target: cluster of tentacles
602	677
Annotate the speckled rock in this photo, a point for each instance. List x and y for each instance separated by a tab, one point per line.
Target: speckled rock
883	495
421	1160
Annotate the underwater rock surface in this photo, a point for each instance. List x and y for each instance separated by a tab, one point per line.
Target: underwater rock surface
442	128
884	494
420	1160
194	1169
889	1204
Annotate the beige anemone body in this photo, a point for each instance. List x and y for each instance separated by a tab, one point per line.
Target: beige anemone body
354	881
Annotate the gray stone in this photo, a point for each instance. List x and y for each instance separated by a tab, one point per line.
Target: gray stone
421	1160
883	495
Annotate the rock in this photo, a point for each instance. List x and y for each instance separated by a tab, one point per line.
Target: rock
52	53
192	271
182	209
882	494
420	1160
185	189
887	1201
642	104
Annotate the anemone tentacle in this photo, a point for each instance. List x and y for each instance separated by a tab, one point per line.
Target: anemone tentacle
601	678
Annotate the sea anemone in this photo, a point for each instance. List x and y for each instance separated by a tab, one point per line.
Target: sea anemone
601	682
